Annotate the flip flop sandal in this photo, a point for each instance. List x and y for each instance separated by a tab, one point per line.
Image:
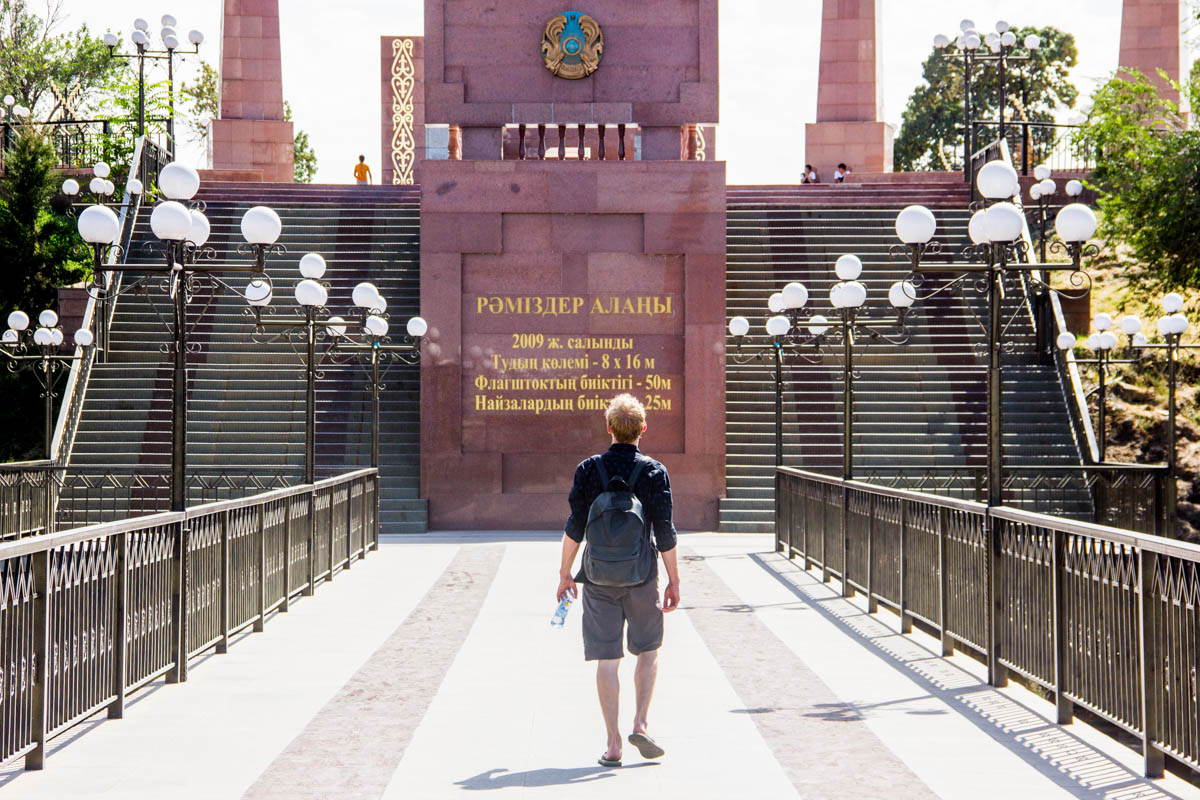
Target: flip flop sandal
608	762
646	746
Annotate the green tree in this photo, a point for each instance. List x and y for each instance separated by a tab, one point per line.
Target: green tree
1146	174
305	158
37	245
200	100
35	58
37	248
931	135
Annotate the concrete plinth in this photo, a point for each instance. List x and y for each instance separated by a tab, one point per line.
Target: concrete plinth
245	145
863	146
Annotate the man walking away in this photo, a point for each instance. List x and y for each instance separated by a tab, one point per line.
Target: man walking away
362	173
619	498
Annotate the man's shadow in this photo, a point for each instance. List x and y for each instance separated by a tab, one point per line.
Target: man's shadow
549	776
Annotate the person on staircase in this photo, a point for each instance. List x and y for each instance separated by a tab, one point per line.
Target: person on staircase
839	174
810	175
362	173
618	499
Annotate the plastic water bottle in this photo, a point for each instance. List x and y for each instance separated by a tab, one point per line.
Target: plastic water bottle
560	613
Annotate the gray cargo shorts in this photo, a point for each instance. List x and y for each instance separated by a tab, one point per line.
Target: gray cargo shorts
607	609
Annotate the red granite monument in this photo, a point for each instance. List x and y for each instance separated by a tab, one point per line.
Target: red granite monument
849	127
250	138
552	284
1150	39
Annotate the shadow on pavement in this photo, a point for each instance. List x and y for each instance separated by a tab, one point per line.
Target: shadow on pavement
1071	762
549	776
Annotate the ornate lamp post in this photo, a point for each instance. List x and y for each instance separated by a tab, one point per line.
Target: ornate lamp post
994	255
371	346
1041	196
1002	43
793	337
1172	327
100	229
184	272
375	351
37	350
170	50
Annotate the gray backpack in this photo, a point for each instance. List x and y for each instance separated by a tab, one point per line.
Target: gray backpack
618	550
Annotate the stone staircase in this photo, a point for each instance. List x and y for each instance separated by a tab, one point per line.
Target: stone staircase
246	399
920	408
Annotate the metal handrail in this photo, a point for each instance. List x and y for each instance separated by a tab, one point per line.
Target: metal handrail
81	369
1098	616
137	599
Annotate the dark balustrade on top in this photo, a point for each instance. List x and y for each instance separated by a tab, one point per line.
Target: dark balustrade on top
93	614
1101	618
589	142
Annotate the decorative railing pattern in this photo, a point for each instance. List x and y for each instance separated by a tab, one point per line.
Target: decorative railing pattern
27	495
81	497
90	615
1101	618
1127	496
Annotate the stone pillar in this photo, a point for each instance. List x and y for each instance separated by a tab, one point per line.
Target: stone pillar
1150	39
849	106
402	60
250	136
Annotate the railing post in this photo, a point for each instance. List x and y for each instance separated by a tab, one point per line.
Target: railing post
329	575
804	504
872	603
312	542
40	564
20	505
178	672
287	555
223	645
905	617
375	509
349	522
997	673
825	505
847	589
1058	568
48	501
116	709
1150	663
779	547
262	568
943	583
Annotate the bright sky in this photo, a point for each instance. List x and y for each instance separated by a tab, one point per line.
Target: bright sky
769	55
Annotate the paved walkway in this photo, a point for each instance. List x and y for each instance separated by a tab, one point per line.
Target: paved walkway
430	670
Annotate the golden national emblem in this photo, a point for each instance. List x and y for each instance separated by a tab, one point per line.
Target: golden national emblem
572	45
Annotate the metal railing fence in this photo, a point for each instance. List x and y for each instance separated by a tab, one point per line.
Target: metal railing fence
92	614
94	495
1101	618
1127	496
1054	144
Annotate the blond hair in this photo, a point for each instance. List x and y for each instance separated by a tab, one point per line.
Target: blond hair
626	418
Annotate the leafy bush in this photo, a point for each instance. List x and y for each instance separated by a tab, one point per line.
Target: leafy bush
1147	173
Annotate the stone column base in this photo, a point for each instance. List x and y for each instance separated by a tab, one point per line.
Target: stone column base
253	144
862	146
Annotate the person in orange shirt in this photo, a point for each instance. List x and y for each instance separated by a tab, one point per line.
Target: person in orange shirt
362	173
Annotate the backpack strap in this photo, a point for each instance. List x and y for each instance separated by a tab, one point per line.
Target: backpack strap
603	473
637	470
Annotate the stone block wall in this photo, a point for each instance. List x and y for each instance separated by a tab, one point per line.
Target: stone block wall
550	287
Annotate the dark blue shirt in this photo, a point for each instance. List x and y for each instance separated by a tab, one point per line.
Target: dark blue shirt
653	489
